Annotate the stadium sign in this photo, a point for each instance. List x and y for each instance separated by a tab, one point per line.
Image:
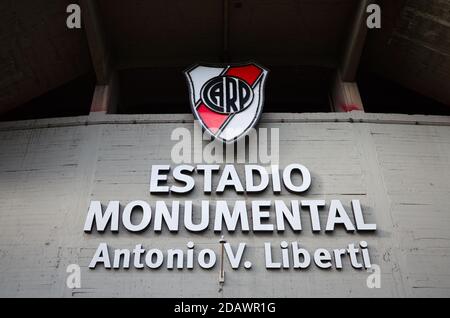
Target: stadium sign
220	216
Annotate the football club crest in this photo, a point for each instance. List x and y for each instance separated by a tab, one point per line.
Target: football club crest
227	100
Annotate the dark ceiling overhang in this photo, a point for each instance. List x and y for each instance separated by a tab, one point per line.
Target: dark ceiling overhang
38	53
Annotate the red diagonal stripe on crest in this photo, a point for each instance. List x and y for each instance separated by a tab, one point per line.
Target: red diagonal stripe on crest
248	73
211	119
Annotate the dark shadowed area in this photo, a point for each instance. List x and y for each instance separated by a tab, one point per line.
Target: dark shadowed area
48	70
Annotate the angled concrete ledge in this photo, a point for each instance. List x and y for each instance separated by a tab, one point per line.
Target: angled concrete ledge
107	119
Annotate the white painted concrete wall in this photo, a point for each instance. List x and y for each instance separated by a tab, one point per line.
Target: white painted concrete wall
51	169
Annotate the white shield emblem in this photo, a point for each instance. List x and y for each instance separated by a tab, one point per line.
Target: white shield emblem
227	100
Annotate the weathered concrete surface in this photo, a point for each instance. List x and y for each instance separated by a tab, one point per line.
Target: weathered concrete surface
413	46
51	169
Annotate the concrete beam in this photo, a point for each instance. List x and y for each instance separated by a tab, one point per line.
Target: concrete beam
345	96
106	92
355	43
97	41
105	97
